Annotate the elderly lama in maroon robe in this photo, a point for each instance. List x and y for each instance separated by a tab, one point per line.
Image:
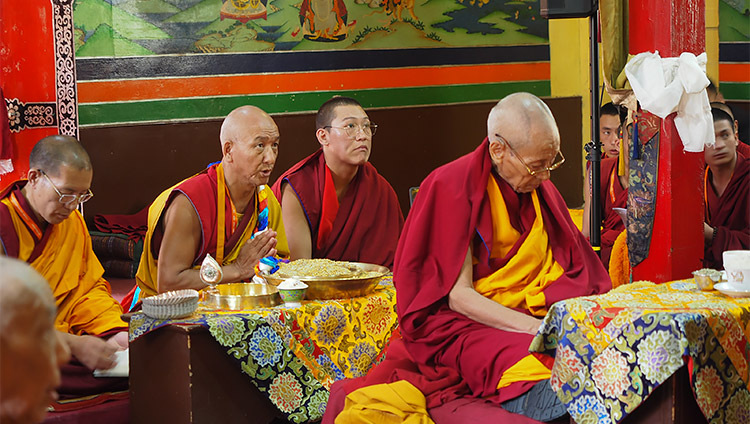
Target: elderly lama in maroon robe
460	344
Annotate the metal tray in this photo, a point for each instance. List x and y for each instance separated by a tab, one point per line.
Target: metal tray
242	296
323	288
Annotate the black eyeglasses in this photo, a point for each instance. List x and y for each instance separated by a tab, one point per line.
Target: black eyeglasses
69	199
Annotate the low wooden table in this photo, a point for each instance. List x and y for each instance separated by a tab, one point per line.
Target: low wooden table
180	374
261	366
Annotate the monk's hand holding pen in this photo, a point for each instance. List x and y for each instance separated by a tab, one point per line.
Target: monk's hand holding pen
262	245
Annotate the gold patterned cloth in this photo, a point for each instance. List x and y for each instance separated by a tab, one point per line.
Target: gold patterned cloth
294	355
613	350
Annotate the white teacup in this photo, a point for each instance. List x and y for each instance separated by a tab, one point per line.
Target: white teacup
737	265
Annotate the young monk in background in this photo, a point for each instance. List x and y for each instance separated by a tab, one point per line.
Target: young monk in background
727	194
613	193
334	202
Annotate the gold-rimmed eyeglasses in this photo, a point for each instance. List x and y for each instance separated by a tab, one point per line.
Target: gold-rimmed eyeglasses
351	129
69	199
534	172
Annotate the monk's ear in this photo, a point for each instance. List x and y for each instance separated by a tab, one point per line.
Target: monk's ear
497	151
322	135
33	175
226	149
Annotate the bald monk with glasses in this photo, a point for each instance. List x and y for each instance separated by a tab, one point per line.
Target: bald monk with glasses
488	247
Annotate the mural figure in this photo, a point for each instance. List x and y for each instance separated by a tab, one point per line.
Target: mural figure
395	7
323	20
243	10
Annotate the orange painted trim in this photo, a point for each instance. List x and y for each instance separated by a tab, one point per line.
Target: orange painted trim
231	85
734	72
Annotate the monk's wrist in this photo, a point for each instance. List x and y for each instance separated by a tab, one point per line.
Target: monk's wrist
235	273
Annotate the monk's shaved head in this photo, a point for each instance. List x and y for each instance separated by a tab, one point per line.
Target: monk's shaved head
724	107
249	147
523	113
22	287
31	351
236	124
52	152
523	140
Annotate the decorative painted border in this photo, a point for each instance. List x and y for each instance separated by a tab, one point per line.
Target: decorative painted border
734	51
30	115
734	70
65	69
161	66
204	108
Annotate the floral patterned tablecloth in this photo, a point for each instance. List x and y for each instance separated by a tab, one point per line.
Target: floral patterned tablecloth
294	354
611	351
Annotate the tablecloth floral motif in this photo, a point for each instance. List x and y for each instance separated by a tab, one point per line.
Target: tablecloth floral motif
294	354
611	351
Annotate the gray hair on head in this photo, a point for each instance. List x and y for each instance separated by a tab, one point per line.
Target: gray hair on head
54	151
22	287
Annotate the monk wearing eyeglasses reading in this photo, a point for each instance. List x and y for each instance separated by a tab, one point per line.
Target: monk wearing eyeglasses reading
39	224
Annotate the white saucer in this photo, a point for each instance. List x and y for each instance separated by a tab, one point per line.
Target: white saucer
731	290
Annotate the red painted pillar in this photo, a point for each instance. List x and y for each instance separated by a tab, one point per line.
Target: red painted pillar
672	27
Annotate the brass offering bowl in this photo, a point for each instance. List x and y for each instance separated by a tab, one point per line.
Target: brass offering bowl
324	288
706	278
242	296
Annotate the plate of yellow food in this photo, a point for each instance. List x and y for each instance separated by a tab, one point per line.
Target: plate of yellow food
328	279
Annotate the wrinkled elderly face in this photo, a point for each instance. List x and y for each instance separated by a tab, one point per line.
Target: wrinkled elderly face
609	134
254	151
725	149
30	361
43	190
342	147
537	148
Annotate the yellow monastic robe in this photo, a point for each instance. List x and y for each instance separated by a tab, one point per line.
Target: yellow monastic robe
521	282
398	402
84	300
147	275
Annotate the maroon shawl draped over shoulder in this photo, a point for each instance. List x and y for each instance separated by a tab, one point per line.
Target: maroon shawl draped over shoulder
369	218
612	224
441	352
729	214
450	212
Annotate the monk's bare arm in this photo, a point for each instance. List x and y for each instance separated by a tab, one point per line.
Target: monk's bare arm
586	205
295	224
464	299
182	235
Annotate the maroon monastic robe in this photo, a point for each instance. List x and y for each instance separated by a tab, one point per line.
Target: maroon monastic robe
610	188
443	353
729	214
369	219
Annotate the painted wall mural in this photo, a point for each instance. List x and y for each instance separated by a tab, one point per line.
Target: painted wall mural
156	61
114	28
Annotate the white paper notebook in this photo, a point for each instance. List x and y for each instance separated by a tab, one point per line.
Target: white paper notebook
121	368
